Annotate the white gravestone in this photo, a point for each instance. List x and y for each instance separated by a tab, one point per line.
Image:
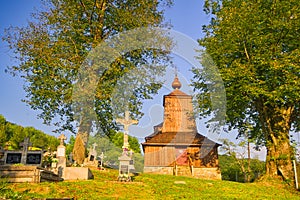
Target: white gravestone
61	155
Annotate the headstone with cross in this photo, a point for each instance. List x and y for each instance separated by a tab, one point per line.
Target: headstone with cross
93	153
126	122
25	144
62	139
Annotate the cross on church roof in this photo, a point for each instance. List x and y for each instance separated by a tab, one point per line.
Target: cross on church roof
25	144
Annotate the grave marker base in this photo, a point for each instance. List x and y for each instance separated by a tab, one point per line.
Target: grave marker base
31	174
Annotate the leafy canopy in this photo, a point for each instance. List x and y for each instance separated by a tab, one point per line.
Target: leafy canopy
255	45
53	46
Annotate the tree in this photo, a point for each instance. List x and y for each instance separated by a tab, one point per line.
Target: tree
134	145
231	171
54	46
3	136
112	149
255	46
14	134
238	156
70	146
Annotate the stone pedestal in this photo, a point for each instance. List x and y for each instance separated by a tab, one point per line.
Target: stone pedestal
77	173
124	168
62	162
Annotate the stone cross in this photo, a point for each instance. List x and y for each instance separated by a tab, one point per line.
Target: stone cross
25	146
94	146
126	122
62	137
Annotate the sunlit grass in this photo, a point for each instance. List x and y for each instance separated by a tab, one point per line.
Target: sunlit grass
147	186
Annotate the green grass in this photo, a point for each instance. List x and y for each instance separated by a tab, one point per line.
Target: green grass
147	186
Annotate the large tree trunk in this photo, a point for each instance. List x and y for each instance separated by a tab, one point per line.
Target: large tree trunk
279	151
278	161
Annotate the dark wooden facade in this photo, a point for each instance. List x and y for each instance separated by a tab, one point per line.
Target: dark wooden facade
176	142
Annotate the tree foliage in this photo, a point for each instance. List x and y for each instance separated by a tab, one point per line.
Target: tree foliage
54	45
134	145
255	46
231	170
12	135
112	149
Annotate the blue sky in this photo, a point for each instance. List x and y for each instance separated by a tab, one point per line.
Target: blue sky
15	13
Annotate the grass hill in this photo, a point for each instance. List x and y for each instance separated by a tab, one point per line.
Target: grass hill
147	186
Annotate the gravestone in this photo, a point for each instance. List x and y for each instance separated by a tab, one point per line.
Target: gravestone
93	153
33	158
13	158
24	156
61	155
101	160
91	160
1	156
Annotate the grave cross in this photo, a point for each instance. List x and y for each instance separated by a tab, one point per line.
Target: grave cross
62	137
25	144
94	146
126	122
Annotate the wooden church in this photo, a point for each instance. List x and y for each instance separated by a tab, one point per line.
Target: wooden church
175	147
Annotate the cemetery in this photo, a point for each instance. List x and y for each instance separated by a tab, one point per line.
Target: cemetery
35	166
27	165
175	148
87	70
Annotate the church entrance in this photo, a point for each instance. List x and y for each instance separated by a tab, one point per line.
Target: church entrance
181	156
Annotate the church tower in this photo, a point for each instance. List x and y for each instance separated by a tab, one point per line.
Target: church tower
178	111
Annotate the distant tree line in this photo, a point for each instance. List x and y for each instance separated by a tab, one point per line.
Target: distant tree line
232	171
11	135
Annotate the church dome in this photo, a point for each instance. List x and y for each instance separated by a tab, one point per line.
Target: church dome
176	83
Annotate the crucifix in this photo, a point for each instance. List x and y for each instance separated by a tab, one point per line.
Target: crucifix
126	122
